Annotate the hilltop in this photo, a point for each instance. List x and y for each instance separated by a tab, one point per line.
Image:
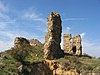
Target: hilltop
31	57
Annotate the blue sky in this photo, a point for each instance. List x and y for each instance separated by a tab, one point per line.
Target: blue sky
28	18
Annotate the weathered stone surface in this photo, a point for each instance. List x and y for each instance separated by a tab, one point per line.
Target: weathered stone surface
35	42
3	56
72	45
52	47
20	68
38	68
20	42
60	69
2	65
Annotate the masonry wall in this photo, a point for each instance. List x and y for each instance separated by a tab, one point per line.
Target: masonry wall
72	45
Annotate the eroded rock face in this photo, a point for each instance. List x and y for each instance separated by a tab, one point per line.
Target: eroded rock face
35	42
20	42
48	67
52	47
72	45
60	69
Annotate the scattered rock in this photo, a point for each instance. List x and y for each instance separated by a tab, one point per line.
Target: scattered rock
3	56
98	67
35	42
2	65
20	68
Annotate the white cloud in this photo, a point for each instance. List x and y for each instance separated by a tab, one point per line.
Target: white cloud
90	47
3	7
7	34
74	19
68	30
12	34
5	20
33	15
83	35
3	25
4	45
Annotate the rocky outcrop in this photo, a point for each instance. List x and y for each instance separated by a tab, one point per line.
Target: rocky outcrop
41	69
48	67
52	47
72	45
20	42
58	68
38	68
35	42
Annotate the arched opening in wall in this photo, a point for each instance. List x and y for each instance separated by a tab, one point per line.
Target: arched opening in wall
74	49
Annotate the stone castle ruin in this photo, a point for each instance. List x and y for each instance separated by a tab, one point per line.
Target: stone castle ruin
52	48
72	45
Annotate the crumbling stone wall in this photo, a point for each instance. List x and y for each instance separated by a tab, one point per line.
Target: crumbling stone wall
52	47
72	45
20	42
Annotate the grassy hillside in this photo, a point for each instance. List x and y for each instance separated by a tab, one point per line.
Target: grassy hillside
10	60
83	64
13	58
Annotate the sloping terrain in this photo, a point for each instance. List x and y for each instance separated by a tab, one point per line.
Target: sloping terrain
32	59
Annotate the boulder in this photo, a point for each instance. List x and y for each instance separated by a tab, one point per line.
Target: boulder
35	42
20	42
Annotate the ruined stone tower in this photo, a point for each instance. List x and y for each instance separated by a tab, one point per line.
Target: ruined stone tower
72	45
52	47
